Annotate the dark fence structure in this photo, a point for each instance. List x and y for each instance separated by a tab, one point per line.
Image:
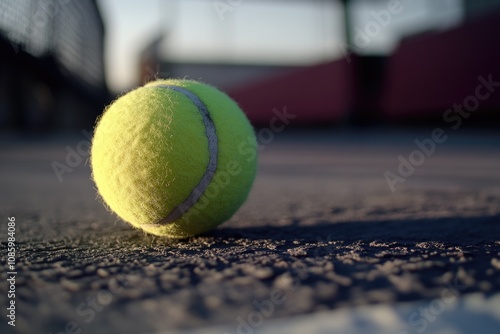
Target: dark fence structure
51	65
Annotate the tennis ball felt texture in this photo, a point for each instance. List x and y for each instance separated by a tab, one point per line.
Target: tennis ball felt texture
175	158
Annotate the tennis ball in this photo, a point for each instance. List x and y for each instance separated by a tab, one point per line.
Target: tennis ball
175	158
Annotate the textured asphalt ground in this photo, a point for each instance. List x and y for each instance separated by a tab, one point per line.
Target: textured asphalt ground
321	231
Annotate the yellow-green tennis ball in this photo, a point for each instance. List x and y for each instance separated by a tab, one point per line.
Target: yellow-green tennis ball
175	157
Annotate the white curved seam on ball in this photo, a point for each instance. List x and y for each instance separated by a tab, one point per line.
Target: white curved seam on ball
213	149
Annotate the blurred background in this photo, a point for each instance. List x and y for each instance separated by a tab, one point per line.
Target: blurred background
329	62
